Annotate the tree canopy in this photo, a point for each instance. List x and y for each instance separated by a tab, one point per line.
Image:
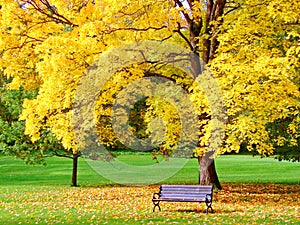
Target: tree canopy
251	47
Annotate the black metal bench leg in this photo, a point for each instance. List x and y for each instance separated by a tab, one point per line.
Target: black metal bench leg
156	204
209	207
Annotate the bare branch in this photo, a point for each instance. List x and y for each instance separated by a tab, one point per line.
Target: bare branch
186	16
184	37
134	29
232	8
55	153
50	12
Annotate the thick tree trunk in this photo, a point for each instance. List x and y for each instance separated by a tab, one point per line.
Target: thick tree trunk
200	27
207	171
74	172
215	10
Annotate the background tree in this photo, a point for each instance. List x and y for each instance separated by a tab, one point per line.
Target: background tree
13	140
285	138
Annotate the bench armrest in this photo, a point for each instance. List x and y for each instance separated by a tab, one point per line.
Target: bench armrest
156	195
208	198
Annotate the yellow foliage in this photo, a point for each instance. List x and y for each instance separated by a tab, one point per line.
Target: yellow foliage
50	46
257	65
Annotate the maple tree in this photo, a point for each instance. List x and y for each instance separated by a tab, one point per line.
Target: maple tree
251	48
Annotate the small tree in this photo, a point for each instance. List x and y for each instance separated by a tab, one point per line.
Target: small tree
15	143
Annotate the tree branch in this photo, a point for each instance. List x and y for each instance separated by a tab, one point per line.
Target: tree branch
184	37
134	29
233	8
51	12
186	16
55	153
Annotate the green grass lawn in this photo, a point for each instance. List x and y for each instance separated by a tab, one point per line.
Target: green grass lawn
230	168
249	169
255	190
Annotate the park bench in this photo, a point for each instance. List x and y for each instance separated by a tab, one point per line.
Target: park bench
184	193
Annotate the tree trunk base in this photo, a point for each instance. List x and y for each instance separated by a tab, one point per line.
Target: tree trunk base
207	171
74	171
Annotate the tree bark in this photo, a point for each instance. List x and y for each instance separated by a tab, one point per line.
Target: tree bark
74	171
207	171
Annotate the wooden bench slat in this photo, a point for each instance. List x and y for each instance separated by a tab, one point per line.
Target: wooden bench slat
184	191
182	196
186	187
183	199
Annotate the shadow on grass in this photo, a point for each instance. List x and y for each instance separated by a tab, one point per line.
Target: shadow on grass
271	188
